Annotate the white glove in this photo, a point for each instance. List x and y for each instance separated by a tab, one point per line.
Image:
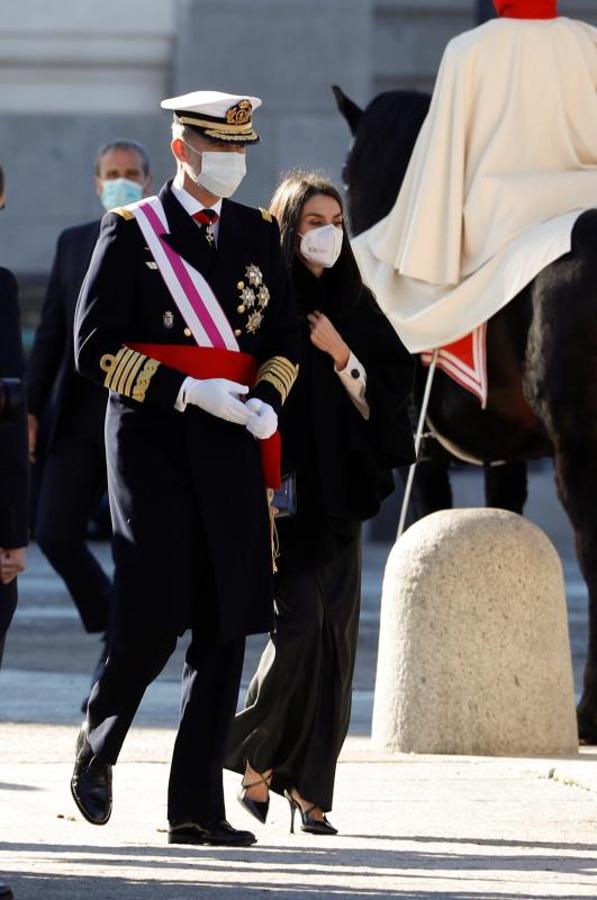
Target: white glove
219	397
263	421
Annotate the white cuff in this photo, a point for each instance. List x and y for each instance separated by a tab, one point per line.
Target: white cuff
354	379
181	400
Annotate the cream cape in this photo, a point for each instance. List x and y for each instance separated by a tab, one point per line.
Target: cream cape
505	162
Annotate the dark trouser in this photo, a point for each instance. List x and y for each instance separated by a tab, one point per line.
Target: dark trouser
8	604
211	680
73	482
297	709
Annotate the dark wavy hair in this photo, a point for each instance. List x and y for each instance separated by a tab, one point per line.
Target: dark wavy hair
296	188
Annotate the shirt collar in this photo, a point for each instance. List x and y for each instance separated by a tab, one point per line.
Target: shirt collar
190	204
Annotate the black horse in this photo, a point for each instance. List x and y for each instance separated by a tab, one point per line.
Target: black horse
541	352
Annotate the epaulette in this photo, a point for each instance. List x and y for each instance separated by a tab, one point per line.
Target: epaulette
265	214
124	212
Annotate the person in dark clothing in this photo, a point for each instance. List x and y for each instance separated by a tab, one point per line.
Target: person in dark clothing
185	309
14	471
73	478
344	428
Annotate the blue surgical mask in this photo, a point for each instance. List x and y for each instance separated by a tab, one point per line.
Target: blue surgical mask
120	192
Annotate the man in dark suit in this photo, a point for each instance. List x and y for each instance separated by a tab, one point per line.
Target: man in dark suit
73	478
14	473
187	491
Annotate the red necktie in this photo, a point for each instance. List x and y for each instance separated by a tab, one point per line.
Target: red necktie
207	218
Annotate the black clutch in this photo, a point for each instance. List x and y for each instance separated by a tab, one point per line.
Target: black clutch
284	499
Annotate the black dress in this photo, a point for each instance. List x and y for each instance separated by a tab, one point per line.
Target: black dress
297	709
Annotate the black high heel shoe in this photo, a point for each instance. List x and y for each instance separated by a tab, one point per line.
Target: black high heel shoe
310	825
257	808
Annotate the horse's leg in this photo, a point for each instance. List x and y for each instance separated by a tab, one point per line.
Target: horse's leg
561	382
431	488
576	479
506	486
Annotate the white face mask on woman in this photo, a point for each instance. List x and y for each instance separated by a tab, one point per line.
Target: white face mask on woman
322	245
221	172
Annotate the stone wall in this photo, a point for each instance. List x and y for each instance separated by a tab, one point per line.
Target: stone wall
75	73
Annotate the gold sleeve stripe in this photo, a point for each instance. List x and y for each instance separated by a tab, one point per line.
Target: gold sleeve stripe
282	371
128	373
127	364
281	363
279	372
124	212
123	360
109	365
279	385
129	383
142	382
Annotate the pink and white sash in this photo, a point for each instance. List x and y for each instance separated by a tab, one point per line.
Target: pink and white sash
196	301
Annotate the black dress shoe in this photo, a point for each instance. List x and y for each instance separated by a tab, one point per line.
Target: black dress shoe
216	834
91	784
5	891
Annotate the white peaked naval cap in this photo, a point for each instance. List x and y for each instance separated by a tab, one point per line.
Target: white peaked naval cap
216	115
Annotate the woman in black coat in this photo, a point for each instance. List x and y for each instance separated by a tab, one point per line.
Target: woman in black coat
344	428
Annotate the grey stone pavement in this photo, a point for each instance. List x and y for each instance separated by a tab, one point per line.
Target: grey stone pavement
411	826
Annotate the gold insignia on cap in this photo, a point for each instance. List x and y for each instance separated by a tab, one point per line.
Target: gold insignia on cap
240	113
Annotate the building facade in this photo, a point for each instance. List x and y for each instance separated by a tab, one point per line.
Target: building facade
75	73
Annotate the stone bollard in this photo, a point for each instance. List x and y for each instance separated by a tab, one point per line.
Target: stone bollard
474	655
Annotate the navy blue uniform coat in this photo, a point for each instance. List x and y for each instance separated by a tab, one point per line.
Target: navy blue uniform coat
188	501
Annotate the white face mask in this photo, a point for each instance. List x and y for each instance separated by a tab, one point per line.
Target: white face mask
221	173
322	245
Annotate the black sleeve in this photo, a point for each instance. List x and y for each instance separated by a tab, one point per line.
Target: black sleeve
49	345
279	353
389	386
14	465
104	321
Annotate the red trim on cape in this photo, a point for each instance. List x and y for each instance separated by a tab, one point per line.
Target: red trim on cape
526	9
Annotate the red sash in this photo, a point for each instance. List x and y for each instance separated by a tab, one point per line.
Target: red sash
209	362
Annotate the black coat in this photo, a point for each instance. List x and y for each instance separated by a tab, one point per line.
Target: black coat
343	463
159	458
54	388
14	467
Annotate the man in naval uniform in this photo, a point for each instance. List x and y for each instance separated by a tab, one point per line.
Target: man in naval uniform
185	316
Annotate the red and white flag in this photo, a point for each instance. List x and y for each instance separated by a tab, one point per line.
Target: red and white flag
465	361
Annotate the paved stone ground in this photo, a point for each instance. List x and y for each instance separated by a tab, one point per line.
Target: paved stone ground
412	827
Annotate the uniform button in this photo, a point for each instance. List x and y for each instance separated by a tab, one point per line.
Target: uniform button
187	332
240	286
241	309
355	373
237	332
